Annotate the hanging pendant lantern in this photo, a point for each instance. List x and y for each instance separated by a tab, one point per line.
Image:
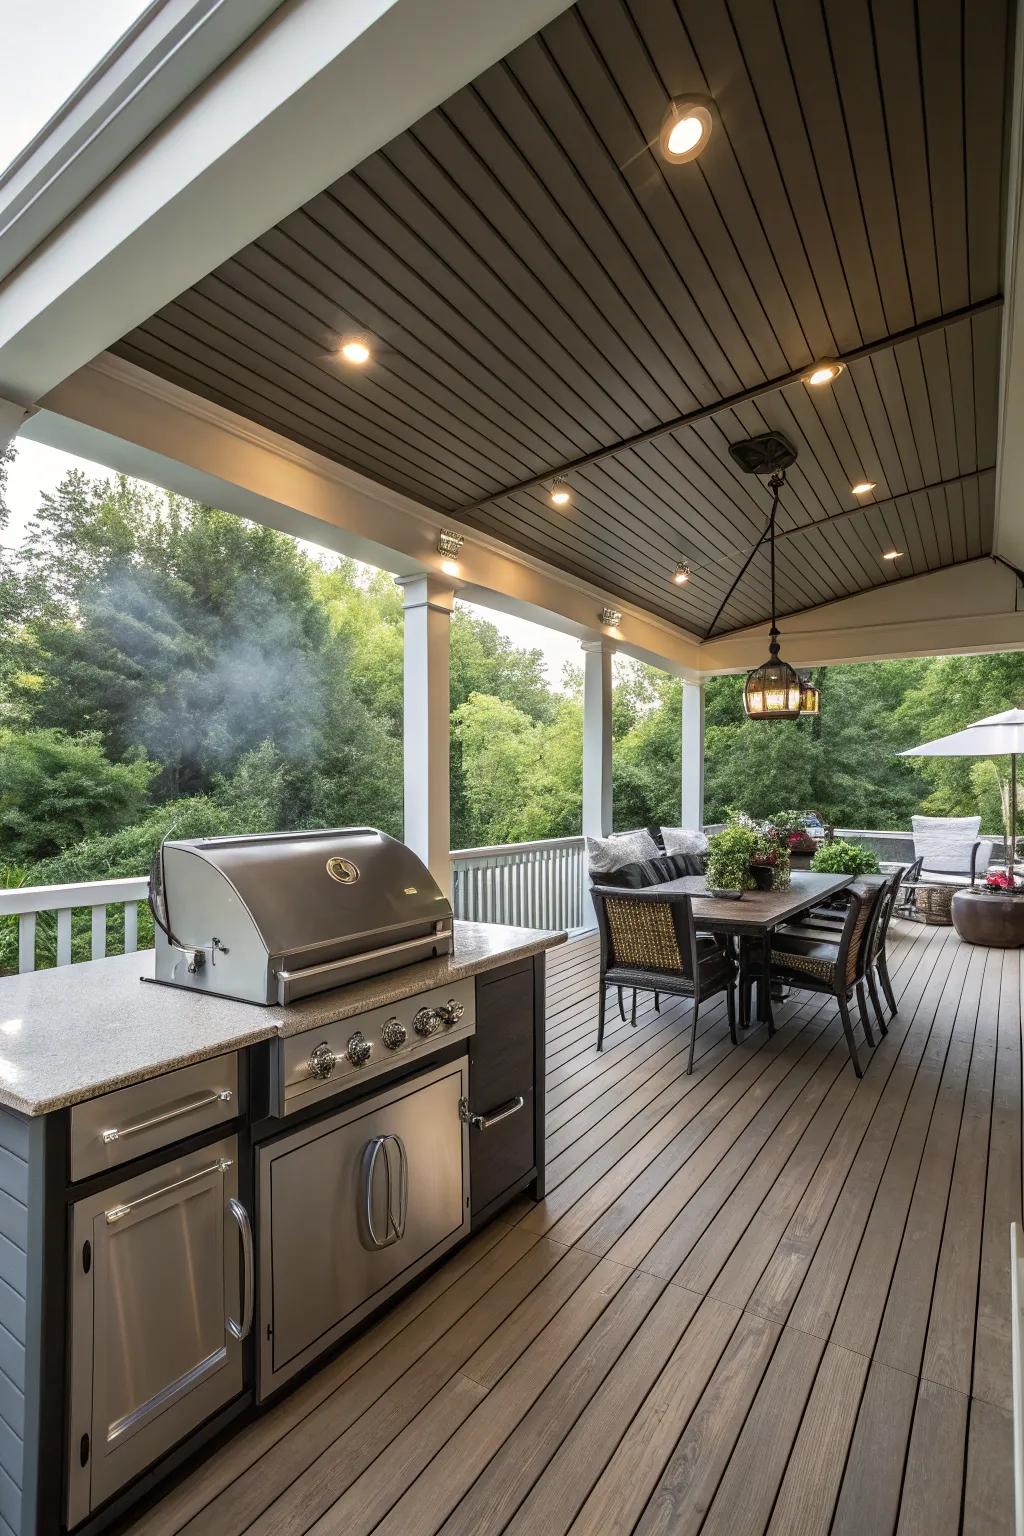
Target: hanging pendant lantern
774	691
810	697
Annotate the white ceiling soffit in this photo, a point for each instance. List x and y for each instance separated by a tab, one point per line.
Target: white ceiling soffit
171	48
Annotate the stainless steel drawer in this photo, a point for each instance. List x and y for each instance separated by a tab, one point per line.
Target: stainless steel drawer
111	1130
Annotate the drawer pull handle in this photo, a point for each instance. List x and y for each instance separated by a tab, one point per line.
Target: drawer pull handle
484	1122
395	1212
220	1096
118	1212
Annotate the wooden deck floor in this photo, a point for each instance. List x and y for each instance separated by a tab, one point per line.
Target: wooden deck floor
765	1298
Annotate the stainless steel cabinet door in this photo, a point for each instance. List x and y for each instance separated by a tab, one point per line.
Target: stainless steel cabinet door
159	1305
352	1207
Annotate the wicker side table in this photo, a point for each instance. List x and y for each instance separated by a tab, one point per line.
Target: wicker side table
933	904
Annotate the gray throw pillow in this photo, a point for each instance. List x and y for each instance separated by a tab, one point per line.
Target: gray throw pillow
605	854
684	840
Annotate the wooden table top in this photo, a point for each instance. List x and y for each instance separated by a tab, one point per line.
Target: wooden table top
756	911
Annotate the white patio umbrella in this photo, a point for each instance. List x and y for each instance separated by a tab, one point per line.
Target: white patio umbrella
995	736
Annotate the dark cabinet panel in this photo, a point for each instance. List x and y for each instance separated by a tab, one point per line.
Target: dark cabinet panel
503	1063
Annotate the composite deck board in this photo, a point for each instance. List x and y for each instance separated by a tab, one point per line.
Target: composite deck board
767	1297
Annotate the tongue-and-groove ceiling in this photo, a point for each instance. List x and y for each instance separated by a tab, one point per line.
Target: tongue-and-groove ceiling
541	286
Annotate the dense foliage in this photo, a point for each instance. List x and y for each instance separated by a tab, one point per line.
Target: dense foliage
168	667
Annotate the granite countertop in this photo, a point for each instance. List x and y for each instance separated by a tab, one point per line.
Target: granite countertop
76	1031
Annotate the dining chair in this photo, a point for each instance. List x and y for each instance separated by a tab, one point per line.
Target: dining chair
828	926
649	943
836	966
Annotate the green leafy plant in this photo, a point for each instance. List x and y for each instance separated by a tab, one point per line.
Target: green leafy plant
842	858
729	857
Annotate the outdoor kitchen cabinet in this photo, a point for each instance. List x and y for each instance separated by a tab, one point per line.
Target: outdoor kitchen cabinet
506	1090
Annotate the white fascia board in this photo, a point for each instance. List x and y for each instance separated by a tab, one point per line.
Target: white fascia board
320	85
1008	533
171	48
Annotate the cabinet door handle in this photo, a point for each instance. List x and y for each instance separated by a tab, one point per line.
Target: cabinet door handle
118	1212
220	1096
242	1329
493	1117
395	1219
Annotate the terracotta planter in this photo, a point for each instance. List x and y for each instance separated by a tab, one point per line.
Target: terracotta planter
981	917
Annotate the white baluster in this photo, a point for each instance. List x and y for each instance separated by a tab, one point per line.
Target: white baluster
64	936
99	932
26	941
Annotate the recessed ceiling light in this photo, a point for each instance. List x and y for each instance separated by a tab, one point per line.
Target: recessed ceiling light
823	373
682	574
893	554
355	349
862	487
560	494
686	129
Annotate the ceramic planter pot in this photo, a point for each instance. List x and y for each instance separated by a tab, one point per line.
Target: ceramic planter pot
983	917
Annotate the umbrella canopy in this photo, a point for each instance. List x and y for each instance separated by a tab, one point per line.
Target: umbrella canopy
995	736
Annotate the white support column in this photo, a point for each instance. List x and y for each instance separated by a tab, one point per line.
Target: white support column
12	418
597	737
692	787
428	609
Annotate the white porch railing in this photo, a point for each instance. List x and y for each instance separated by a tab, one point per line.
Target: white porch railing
27	902
530	885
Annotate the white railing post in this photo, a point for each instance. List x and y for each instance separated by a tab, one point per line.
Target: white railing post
691	805
427	725
597	754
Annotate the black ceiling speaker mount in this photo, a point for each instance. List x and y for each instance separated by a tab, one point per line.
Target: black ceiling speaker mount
764	455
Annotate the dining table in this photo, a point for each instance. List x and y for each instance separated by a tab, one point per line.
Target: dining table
754	916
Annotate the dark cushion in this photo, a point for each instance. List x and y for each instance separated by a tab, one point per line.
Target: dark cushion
656	834
645	872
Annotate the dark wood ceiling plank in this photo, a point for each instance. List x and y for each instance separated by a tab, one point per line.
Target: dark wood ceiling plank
853	59
940	28
588	240
986	346
957	521
465	360
941	523
910	365
458	280
987	513
596	82
985	71
935	365
148	350
458	202
899	66
226	317
681	197
960	366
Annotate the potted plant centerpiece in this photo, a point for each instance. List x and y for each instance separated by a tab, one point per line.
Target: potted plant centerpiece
840	857
729	856
770	863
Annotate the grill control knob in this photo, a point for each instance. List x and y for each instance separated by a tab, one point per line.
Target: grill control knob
393	1034
322	1061
451	1012
428	1021
358	1049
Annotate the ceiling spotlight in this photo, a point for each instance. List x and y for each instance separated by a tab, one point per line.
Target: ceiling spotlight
560	493
862	487
355	349
686	129
449	546
611	617
823	373
893	554
682	574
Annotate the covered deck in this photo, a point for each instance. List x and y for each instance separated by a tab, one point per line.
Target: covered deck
764	1298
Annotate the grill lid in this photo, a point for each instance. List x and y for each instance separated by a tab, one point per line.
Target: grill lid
304	889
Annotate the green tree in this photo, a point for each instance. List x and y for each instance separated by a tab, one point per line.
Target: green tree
57	789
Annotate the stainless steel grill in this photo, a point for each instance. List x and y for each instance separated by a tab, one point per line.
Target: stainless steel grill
269	919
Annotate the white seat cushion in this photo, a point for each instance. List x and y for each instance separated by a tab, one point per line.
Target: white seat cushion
945	842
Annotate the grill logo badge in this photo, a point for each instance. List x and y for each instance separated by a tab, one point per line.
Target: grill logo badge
342	870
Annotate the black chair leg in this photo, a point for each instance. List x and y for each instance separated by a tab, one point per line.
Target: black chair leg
883	976
873	994
622	1006
632	1019
693	1039
865	1017
848	1032
604	1010
730	1010
657	1003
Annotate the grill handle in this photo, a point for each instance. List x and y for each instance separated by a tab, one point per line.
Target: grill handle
494	1117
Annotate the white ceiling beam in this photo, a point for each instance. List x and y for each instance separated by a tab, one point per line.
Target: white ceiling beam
1008	535
319	86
